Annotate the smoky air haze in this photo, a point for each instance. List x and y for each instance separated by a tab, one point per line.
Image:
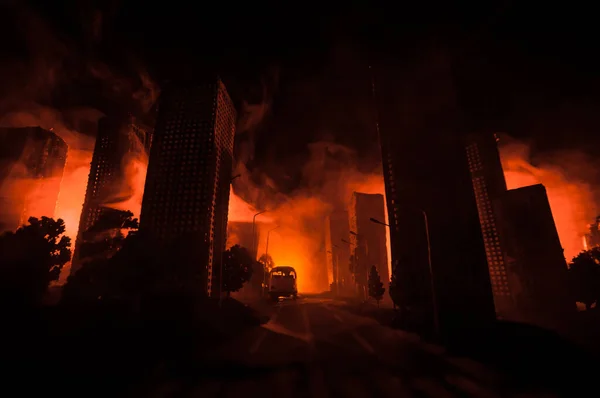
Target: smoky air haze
304	143
569	180
49	88
330	176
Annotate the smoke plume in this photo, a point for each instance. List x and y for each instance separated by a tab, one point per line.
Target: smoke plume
79	155
330	176
566	176
45	90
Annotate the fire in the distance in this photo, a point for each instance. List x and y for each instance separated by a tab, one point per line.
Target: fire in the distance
298	240
300	218
571	199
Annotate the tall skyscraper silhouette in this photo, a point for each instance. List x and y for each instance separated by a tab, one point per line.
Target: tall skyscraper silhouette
524	254
489	185
32	162
188	181
116	137
535	258
437	247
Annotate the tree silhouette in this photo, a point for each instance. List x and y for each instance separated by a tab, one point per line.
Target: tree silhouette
261	269
394	289
267	261
31	258
106	236
238	265
376	289
584	272
142	267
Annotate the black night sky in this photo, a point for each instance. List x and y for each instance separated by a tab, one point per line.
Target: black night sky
531	71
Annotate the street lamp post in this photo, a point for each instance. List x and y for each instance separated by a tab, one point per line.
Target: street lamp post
359	240
224	227
334	283
267	257
336	268
268	235
254	232
436	324
351	245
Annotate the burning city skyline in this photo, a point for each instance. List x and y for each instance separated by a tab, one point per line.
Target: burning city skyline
301	213
571	195
329	175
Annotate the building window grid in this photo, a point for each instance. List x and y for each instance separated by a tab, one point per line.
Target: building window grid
494	254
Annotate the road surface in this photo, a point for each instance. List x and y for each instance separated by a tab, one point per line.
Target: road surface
313	348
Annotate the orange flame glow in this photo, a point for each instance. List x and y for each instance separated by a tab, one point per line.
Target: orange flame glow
299	239
571	200
72	190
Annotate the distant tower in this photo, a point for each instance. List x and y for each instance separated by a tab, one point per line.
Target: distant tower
370	238
114	140
525	259
535	256
186	196
338	228
32	162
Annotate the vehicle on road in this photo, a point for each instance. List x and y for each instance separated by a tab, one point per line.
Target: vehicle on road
282	283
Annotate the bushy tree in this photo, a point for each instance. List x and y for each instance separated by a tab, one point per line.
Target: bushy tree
376	289
262	267
31	258
394	290
267	261
142	268
238	266
106	236
584	272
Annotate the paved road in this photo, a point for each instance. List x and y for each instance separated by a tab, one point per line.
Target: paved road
313	348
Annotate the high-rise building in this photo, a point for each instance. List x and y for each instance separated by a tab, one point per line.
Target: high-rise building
186	196
337	231
528	282
489	185
32	162
438	255
115	139
368	237
535	256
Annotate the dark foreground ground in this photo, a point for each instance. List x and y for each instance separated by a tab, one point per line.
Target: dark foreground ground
312	347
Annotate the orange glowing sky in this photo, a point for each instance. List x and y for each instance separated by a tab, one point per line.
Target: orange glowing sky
297	241
301	217
571	201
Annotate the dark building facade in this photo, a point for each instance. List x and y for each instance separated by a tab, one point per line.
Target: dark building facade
438	255
338	228
186	196
117	136
32	162
489	185
535	255
369	238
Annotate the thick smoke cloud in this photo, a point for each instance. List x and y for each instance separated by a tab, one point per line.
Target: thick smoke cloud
45	90
568	178
324	176
329	177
